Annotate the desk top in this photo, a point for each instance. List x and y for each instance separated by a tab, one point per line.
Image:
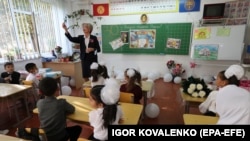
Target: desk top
10	89
131	112
199	119
10	138
189	98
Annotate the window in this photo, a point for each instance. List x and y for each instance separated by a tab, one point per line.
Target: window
27	30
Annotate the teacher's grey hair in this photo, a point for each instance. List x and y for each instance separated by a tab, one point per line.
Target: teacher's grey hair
89	26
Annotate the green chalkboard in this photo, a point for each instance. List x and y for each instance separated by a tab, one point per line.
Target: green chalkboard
167	38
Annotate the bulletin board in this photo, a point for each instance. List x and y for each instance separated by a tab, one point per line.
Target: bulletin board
218	42
167	38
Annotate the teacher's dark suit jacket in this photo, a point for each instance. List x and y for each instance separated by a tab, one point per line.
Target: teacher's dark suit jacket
93	43
87	58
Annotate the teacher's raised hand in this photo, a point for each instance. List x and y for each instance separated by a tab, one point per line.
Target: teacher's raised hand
64	27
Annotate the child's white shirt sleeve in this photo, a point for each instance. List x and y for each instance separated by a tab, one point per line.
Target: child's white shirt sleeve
209	103
32	77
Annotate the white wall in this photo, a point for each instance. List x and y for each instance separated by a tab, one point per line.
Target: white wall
150	63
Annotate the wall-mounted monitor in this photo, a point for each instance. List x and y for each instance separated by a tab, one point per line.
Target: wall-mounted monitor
213	11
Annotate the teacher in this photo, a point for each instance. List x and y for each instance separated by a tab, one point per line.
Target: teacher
89	46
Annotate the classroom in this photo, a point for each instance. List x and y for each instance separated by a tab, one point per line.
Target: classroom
168	45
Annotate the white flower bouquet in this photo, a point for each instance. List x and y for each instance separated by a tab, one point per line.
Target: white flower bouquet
195	87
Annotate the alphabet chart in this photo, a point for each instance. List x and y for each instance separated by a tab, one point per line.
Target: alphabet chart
128	7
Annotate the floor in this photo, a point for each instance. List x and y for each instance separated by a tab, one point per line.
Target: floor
167	97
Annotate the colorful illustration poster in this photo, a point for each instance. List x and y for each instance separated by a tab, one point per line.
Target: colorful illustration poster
124	37
189	5
142	38
223	31
173	43
202	33
117	43
206	51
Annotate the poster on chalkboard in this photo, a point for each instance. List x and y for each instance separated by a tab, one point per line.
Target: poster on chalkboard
173	43
142	38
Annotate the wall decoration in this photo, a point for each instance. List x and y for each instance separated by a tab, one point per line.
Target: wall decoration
142	38
101	9
236	12
202	33
144	18
124	36
173	43
128	7
117	43
189	5
223	31
206	51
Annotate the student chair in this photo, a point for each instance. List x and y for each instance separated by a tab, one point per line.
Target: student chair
126	97
82	139
85	84
86	92
41	133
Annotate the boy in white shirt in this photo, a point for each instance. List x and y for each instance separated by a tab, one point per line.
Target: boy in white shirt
32	69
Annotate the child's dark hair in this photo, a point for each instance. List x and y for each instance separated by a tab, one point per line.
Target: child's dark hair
109	111
221	75
29	66
8	64
232	80
100	71
104	71
133	80
48	86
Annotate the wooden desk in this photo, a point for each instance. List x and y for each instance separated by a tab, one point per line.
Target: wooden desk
199	119
132	112
10	138
190	100
15	92
72	69
146	87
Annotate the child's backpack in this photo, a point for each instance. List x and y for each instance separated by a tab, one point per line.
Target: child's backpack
33	135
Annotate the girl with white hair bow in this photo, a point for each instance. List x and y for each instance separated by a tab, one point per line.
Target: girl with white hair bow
133	84
232	101
99	74
104	98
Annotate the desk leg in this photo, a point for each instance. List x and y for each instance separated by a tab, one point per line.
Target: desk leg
15	109
60	85
145	101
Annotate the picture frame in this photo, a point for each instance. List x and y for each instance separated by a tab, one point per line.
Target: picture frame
144	18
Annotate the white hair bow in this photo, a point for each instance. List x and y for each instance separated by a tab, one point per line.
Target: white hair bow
131	73
94	66
110	93
236	70
102	63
